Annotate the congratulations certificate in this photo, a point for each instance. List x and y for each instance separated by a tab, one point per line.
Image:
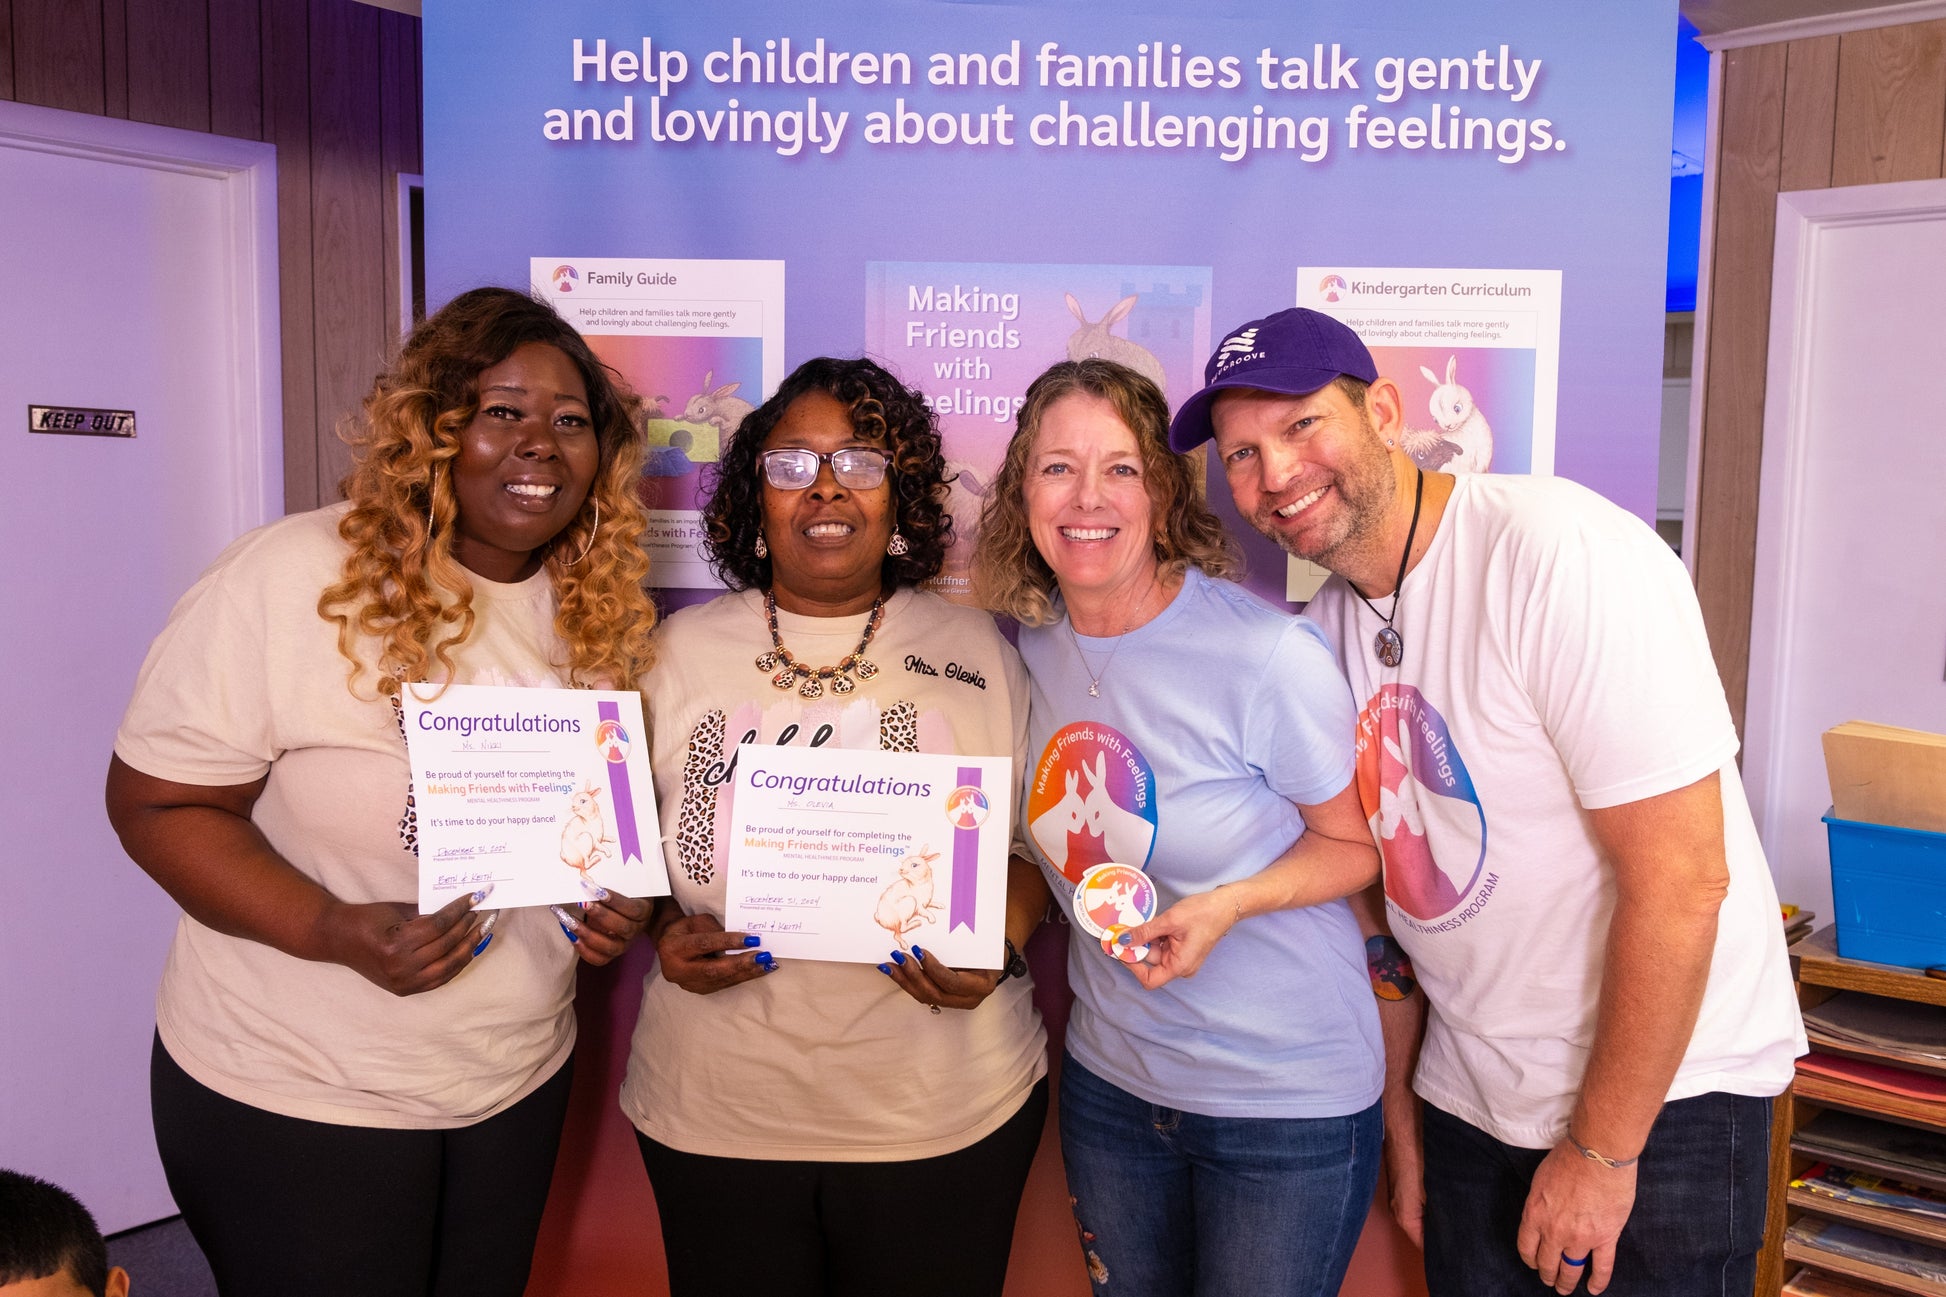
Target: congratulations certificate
532	790
848	854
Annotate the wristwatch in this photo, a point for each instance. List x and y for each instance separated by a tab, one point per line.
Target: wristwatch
1016	966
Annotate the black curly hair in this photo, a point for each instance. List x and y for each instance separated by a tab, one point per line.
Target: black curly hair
884	412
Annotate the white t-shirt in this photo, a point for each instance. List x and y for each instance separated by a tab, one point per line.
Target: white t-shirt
821	1061
247	678
1555	663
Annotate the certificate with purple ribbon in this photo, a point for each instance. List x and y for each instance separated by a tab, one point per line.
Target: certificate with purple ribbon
539	792
849	854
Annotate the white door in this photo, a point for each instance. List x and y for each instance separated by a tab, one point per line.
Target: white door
137	272
1849	609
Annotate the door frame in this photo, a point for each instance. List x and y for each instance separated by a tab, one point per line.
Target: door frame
1777	612
248	172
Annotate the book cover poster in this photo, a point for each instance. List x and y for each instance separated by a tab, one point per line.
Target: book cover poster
973	336
702	342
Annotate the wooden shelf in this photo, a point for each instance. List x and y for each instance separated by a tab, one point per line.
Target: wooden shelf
1820	971
1816	962
1886	1220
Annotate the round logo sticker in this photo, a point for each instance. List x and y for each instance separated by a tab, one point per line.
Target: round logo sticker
967	807
1113	896
612	739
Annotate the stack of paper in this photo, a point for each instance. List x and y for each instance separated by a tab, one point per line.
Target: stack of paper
1867	1255
1812	1283
1881	774
1879	1029
1918	1156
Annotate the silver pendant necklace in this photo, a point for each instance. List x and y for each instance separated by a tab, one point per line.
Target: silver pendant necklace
1388	643
1096	677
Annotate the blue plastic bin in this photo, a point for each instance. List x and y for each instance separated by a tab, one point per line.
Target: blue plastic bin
1889	888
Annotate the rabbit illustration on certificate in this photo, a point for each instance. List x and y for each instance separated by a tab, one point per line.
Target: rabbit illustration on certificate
907	901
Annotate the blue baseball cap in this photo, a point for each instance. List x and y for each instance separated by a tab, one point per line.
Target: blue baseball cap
1295	351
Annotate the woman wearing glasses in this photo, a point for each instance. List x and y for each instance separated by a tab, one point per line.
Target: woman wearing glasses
816	1127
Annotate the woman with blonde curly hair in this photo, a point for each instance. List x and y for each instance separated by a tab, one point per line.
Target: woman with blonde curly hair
1221	1134
350	1096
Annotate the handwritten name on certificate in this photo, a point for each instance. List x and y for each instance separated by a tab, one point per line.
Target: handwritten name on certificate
532	790
847	854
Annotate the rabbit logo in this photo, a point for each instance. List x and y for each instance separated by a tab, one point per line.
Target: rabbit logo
584	837
612	739
907	900
967	807
1333	287
1420	800
564	277
1093	340
1092	800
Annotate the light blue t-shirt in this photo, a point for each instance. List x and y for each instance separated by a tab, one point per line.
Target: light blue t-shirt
1214	720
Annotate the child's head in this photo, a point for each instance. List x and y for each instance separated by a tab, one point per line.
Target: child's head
51	1246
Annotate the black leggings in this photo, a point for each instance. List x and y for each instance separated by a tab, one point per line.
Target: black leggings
294	1208
941	1226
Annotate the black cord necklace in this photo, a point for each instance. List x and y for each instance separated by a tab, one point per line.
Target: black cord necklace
1388	644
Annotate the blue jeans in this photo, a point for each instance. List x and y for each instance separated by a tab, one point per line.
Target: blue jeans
1172	1203
1697	1223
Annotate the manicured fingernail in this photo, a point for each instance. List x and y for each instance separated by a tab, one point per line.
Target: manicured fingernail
595	890
482	894
493	917
772	966
1124	939
567	922
898	959
918	953
485	941
885	969
765	959
752	939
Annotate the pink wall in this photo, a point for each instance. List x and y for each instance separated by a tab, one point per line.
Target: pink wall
601	1239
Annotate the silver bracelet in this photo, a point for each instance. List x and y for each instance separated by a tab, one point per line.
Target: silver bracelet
1612	1163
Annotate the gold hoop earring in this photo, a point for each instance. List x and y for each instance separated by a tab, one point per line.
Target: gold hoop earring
590	542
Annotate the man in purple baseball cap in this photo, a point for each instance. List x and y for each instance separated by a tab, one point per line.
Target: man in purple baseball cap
1548	763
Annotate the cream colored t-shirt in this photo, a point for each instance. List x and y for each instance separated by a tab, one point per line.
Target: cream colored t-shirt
821	1061
246	678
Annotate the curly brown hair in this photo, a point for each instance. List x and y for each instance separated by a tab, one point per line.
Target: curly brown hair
401	585
1009	574
884	412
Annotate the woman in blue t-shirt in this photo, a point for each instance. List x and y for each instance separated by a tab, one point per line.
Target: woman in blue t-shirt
1221	1133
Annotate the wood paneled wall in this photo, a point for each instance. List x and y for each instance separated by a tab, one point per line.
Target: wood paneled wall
1860	108
334	84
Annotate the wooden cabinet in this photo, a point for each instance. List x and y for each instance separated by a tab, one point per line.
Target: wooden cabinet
1822	973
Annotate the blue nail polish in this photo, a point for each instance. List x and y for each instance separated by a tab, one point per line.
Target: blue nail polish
1124	939
752	940
918	953
898	959
568	932
885	969
765	959
484	943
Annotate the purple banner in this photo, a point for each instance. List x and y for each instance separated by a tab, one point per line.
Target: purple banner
966	863
606	733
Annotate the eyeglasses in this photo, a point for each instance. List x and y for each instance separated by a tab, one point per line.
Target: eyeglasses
857	467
